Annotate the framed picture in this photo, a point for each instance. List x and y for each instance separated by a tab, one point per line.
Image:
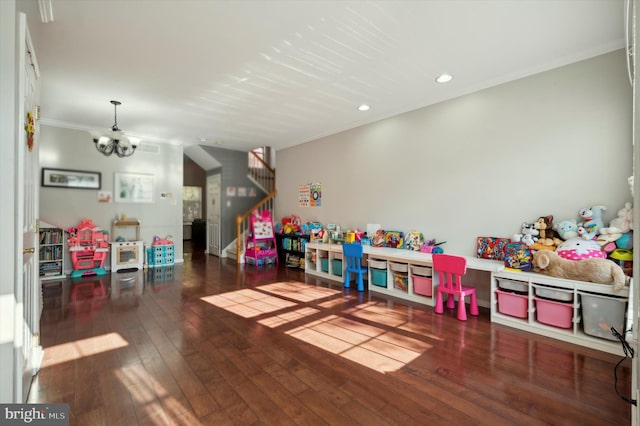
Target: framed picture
64	178
134	188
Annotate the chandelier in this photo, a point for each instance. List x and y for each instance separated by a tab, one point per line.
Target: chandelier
114	141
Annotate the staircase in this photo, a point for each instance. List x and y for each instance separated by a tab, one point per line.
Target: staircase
264	176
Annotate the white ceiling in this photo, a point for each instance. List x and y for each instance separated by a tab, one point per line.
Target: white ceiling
246	74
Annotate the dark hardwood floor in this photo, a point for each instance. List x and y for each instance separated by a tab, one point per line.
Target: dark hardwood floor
206	342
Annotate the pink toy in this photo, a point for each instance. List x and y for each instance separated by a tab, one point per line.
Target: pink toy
579	248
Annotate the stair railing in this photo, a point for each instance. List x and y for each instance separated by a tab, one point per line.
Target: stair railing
262	173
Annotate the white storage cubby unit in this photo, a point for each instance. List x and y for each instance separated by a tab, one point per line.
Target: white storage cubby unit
395	275
324	260
404	274
522	309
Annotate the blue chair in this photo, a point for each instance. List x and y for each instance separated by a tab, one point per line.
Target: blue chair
352	255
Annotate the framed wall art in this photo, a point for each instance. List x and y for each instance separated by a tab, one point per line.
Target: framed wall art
65	178
134	188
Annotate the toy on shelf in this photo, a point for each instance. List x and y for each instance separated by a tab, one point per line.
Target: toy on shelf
430	246
592	220
595	270
88	247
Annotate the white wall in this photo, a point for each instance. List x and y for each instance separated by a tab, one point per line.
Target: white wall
480	164
73	149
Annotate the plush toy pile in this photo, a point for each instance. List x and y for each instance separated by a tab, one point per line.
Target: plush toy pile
576	241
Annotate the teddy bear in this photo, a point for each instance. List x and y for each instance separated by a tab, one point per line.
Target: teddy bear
547	236
595	270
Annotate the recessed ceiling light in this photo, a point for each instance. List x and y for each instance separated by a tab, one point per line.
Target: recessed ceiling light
364	107
444	78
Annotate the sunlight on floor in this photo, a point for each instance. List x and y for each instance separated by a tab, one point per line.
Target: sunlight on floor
248	303
368	345
287	317
71	351
373	346
299	291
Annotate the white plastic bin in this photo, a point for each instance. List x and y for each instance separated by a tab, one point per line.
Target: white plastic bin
552	293
600	313
513	285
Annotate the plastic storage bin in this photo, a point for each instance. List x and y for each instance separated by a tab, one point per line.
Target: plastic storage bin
512	304
160	255
422	280
600	313
554	294
513	285
400	276
379	277
377	264
324	264
551	312
336	267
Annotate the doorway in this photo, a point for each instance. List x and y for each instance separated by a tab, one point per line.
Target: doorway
213	214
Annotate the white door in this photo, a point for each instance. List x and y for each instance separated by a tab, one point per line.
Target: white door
27	207
213	214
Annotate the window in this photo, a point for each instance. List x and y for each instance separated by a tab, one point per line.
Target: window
191	203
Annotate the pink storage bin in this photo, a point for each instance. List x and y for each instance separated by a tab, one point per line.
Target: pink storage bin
422	281
422	285
554	313
512	304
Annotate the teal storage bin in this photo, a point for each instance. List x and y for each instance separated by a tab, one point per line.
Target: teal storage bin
324	264
379	277
336	267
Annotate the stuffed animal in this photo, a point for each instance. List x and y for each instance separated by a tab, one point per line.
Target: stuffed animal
566	229
529	234
547	236
592	218
588	234
600	271
578	248
621	224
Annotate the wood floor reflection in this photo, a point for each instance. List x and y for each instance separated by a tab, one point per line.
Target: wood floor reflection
207	343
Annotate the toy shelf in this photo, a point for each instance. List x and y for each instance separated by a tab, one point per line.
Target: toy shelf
51	253
290	248
568	321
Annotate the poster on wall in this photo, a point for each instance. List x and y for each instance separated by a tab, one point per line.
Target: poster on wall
304	195
104	196
231	191
316	194
310	195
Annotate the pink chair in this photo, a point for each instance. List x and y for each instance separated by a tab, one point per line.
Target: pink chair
450	270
